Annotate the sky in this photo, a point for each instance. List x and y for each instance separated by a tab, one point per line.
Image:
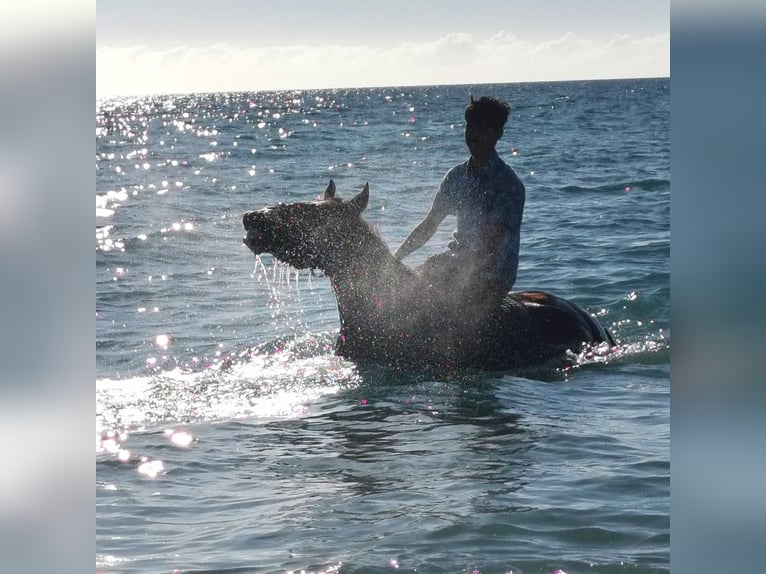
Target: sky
182	46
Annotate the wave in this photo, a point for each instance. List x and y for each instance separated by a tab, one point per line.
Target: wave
273	380
279	378
650	184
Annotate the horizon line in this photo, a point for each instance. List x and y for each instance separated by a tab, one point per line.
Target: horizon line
370	87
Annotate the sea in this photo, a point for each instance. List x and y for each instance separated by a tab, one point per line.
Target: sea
230	438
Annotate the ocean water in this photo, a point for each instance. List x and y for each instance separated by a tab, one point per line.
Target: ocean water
229	438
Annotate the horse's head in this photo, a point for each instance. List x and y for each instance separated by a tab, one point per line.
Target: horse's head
316	234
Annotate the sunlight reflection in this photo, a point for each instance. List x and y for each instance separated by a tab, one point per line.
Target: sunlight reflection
331	569
151	468
180	439
282	382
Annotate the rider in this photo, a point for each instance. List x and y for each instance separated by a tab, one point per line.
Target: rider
488	199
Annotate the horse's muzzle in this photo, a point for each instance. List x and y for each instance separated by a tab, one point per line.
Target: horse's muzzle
253	236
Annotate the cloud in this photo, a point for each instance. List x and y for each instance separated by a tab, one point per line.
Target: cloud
570	57
454	58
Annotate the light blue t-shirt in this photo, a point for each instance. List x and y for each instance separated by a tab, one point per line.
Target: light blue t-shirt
478	197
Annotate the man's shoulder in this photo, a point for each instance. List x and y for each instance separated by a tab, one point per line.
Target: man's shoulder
508	176
454	179
458	170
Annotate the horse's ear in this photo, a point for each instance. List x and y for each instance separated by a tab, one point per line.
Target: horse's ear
359	203
329	193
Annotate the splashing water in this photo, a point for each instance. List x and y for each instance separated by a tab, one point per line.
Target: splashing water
262	384
277	274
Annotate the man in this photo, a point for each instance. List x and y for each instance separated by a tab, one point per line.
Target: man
488	199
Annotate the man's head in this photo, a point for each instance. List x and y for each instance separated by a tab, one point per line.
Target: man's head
485	119
488	111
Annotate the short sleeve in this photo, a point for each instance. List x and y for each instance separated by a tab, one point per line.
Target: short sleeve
444	200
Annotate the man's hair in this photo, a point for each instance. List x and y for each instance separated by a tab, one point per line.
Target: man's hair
488	111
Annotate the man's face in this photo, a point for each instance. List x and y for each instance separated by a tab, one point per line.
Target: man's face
480	138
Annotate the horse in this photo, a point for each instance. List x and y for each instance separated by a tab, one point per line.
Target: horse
391	315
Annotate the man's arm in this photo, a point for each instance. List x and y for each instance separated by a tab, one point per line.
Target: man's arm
419	236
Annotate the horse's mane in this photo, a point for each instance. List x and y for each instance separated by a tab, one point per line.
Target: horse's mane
374	230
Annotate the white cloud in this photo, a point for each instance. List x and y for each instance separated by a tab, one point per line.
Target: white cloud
453	58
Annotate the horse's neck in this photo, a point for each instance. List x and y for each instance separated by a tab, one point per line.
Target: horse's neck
370	281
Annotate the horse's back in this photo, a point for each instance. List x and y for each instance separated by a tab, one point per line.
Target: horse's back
554	319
